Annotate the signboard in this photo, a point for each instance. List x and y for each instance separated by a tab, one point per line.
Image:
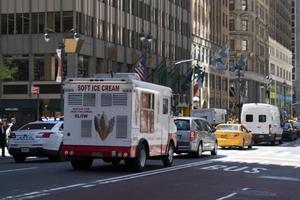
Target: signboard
35	90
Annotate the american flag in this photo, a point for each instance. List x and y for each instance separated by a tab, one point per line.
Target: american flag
139	68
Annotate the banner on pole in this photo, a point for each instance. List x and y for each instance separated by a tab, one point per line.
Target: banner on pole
59	68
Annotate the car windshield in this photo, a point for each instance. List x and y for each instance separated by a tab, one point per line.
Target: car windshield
227	127
182	125
44	126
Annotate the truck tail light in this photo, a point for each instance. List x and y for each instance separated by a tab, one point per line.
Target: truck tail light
192	136
270	126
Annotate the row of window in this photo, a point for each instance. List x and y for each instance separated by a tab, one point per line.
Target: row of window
44	67
280	55
280	72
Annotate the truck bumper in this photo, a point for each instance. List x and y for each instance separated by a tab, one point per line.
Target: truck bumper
257	138
73	151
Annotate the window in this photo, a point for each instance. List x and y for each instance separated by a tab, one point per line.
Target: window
3	24
147	113
231	25
165	106
262	118
231	4
249	118
67	21
244	25
232	45
244	5
244	45
182	125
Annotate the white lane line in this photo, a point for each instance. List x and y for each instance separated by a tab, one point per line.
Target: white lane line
281	178
108	180
283	153
231	195
20	169
88	186
228	196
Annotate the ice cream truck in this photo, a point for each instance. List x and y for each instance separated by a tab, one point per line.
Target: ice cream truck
117	117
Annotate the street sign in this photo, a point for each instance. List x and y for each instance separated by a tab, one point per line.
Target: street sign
35	90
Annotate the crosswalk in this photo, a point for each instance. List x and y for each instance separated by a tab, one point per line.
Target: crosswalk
264	155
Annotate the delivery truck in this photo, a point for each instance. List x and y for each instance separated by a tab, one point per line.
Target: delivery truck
117	117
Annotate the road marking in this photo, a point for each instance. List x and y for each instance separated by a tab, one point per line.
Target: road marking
282	178
88	186
231	195
228	196
108	180
20	169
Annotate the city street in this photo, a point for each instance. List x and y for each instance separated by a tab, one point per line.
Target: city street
263	172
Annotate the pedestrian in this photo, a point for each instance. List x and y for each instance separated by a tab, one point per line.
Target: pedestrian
2	138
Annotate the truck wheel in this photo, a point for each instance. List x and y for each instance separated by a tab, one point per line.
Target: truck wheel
168	159
140	161
214	152
116	161
82	164
19	158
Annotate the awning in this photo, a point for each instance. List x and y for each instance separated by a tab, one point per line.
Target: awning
18	104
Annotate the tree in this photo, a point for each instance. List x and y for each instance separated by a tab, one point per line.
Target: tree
6	73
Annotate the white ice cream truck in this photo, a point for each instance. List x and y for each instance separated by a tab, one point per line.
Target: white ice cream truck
117	117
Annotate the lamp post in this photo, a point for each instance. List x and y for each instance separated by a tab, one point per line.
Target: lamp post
60	51
146	40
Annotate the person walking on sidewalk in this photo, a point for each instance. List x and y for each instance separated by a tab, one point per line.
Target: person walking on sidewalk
2	138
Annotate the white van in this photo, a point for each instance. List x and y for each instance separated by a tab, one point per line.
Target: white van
264	121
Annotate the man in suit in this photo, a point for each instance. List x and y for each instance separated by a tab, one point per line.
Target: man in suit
2	138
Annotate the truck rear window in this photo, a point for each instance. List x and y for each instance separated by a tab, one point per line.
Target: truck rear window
262	118
249	118
182	125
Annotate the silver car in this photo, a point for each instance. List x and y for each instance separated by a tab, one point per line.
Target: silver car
194	136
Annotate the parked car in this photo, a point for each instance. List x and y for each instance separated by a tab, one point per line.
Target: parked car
296	126
194	136
289	132
233	135
41	139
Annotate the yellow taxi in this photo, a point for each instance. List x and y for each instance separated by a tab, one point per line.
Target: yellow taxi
233	135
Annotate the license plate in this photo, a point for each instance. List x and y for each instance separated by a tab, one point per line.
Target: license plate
261	136
223	136
24	150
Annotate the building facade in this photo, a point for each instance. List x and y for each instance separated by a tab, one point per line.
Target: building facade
296	56
248	32
110	31
209	34
280	72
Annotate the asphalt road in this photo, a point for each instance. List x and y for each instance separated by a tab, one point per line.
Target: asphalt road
262	173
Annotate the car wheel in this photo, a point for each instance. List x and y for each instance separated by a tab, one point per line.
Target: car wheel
82	164
139	162
19	158
214	152
199	151
168	159
243	144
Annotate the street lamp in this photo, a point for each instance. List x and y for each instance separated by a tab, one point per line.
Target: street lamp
146	40
60	51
